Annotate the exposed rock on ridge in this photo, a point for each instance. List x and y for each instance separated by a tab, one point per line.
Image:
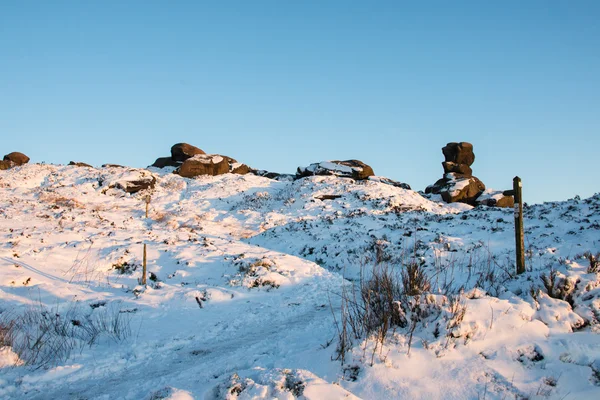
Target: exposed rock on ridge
458	183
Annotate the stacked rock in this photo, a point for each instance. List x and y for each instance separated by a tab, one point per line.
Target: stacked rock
458	183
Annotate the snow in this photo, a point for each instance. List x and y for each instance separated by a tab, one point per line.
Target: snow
8	357
247	276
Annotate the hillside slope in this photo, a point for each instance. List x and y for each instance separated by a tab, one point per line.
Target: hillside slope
247	281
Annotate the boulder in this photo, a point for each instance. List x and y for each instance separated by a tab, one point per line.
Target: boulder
162	162
80	164
389	181
239	168
112	166
354	169
266	174
456	188
204	164
183	151
494	198
328	197
5	164
459	153
135	186
505	202
17	158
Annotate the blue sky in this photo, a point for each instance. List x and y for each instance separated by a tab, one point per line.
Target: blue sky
278	84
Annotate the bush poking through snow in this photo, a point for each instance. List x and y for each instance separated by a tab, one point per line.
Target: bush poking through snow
124	267
383	301
414	280
256	273
44	337
594	261
558	286
6	331
391	304
277	384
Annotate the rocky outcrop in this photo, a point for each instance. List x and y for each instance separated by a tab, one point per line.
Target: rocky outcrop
458	183
16	158
13	159
183	151
191	161
132	185
179	153
274	175
494	198
239	168
204	164
80	164
6	165
163	162
211	164
457	188
389	181
354	169
137	185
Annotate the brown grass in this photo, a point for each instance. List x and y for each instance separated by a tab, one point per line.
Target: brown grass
60	201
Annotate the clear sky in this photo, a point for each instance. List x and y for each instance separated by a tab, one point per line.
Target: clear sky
278	84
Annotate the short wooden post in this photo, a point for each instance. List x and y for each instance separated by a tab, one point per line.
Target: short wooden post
148	198
519	239
144	267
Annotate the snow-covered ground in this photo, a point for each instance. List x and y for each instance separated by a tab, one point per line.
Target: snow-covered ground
246	284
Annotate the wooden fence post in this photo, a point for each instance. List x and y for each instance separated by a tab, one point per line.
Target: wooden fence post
519	239
147	199
144	267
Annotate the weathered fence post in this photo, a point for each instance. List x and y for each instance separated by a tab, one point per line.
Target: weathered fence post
519	240
148	198
144	267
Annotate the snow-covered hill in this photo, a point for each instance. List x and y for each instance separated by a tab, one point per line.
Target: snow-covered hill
248	282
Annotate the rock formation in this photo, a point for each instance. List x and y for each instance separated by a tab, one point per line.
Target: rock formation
17	158
458	183
80	164
183	151
135	186
203	164
13	159
190	161
275	175
163	162
390	182
179	153
354	169
495	198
